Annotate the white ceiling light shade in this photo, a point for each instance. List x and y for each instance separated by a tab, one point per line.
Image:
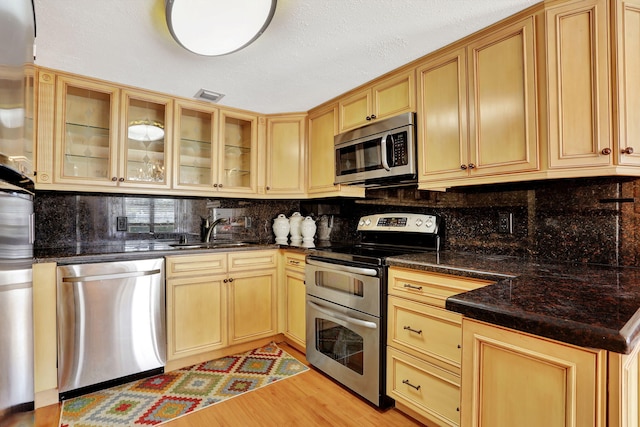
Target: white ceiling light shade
218	27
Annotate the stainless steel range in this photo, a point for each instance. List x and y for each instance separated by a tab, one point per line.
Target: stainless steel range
347	299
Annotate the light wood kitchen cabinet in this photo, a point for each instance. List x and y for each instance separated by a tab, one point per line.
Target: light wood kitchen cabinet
219	299
195	141
477	114
285	157
578	84
515	379
295	299
83	138
626	15
45	334
624	389
237	153
424	344
388	97
321	167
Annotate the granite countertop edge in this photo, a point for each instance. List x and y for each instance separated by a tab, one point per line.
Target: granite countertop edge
511	301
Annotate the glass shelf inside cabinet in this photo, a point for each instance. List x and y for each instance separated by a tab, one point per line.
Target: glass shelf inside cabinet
86	151
237	153
195	162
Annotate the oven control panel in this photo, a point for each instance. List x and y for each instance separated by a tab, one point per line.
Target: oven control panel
402	222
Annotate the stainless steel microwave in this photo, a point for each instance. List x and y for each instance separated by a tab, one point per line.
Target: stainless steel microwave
381	153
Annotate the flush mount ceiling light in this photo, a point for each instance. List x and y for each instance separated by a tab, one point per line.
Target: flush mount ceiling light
218	27
146	130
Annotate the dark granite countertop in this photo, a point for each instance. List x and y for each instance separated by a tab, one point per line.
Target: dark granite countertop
586	305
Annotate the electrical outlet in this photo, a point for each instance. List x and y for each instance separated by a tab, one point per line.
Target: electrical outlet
121	224
505	222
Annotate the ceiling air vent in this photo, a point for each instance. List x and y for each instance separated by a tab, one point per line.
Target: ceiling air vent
207	95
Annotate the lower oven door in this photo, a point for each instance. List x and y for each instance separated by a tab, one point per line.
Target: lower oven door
345	345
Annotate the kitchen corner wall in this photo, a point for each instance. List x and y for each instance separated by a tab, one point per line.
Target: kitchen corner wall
586	220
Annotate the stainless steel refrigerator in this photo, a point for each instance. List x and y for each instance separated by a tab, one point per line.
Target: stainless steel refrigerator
17	33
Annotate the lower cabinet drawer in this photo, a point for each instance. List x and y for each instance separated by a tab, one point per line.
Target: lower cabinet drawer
423	330
427	389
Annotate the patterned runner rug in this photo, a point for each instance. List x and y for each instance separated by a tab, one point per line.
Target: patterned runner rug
164	397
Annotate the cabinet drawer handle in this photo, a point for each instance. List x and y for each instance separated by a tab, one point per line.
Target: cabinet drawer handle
408	328
410	286
417	387
294	262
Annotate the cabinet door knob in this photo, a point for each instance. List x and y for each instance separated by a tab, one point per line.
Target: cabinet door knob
373	117
220	185
268	188
225	280
463	167
472	166
606	151
230	279
114	179
368	118
121	179
215	185
628	150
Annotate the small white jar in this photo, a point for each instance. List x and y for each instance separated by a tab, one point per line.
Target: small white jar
295	221
281	229
308	229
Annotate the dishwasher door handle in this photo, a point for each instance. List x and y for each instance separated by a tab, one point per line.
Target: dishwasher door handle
126	275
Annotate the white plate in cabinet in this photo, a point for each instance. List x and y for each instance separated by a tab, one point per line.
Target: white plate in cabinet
426	332
432	392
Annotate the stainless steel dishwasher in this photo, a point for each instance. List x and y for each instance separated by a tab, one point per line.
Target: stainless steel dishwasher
111	323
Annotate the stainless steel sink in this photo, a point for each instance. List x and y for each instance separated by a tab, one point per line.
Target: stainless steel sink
208	245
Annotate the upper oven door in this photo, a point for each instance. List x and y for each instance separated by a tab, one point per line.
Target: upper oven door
381	156
358	288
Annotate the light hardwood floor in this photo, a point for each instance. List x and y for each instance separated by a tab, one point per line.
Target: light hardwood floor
308	399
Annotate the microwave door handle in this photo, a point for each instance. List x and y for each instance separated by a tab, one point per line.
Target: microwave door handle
383	152
335	315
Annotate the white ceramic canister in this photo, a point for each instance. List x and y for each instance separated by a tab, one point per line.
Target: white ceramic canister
295	221
281	229
308	229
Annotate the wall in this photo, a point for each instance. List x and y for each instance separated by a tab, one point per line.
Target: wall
587	220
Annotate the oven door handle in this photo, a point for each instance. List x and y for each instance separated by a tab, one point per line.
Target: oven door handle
343	317
347	269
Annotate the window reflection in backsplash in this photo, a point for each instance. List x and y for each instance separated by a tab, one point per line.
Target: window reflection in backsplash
66	220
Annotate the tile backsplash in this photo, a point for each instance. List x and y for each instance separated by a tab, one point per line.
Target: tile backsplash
587	220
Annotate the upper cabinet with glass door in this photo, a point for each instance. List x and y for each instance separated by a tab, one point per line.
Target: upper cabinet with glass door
86	132
145	159
195	137
237	153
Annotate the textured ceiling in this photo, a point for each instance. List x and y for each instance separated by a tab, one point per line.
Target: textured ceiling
313	50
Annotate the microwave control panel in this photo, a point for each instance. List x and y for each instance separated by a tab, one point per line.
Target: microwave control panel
400	152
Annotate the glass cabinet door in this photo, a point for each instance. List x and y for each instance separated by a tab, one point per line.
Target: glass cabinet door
86	123
145	157
237	171
195	133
